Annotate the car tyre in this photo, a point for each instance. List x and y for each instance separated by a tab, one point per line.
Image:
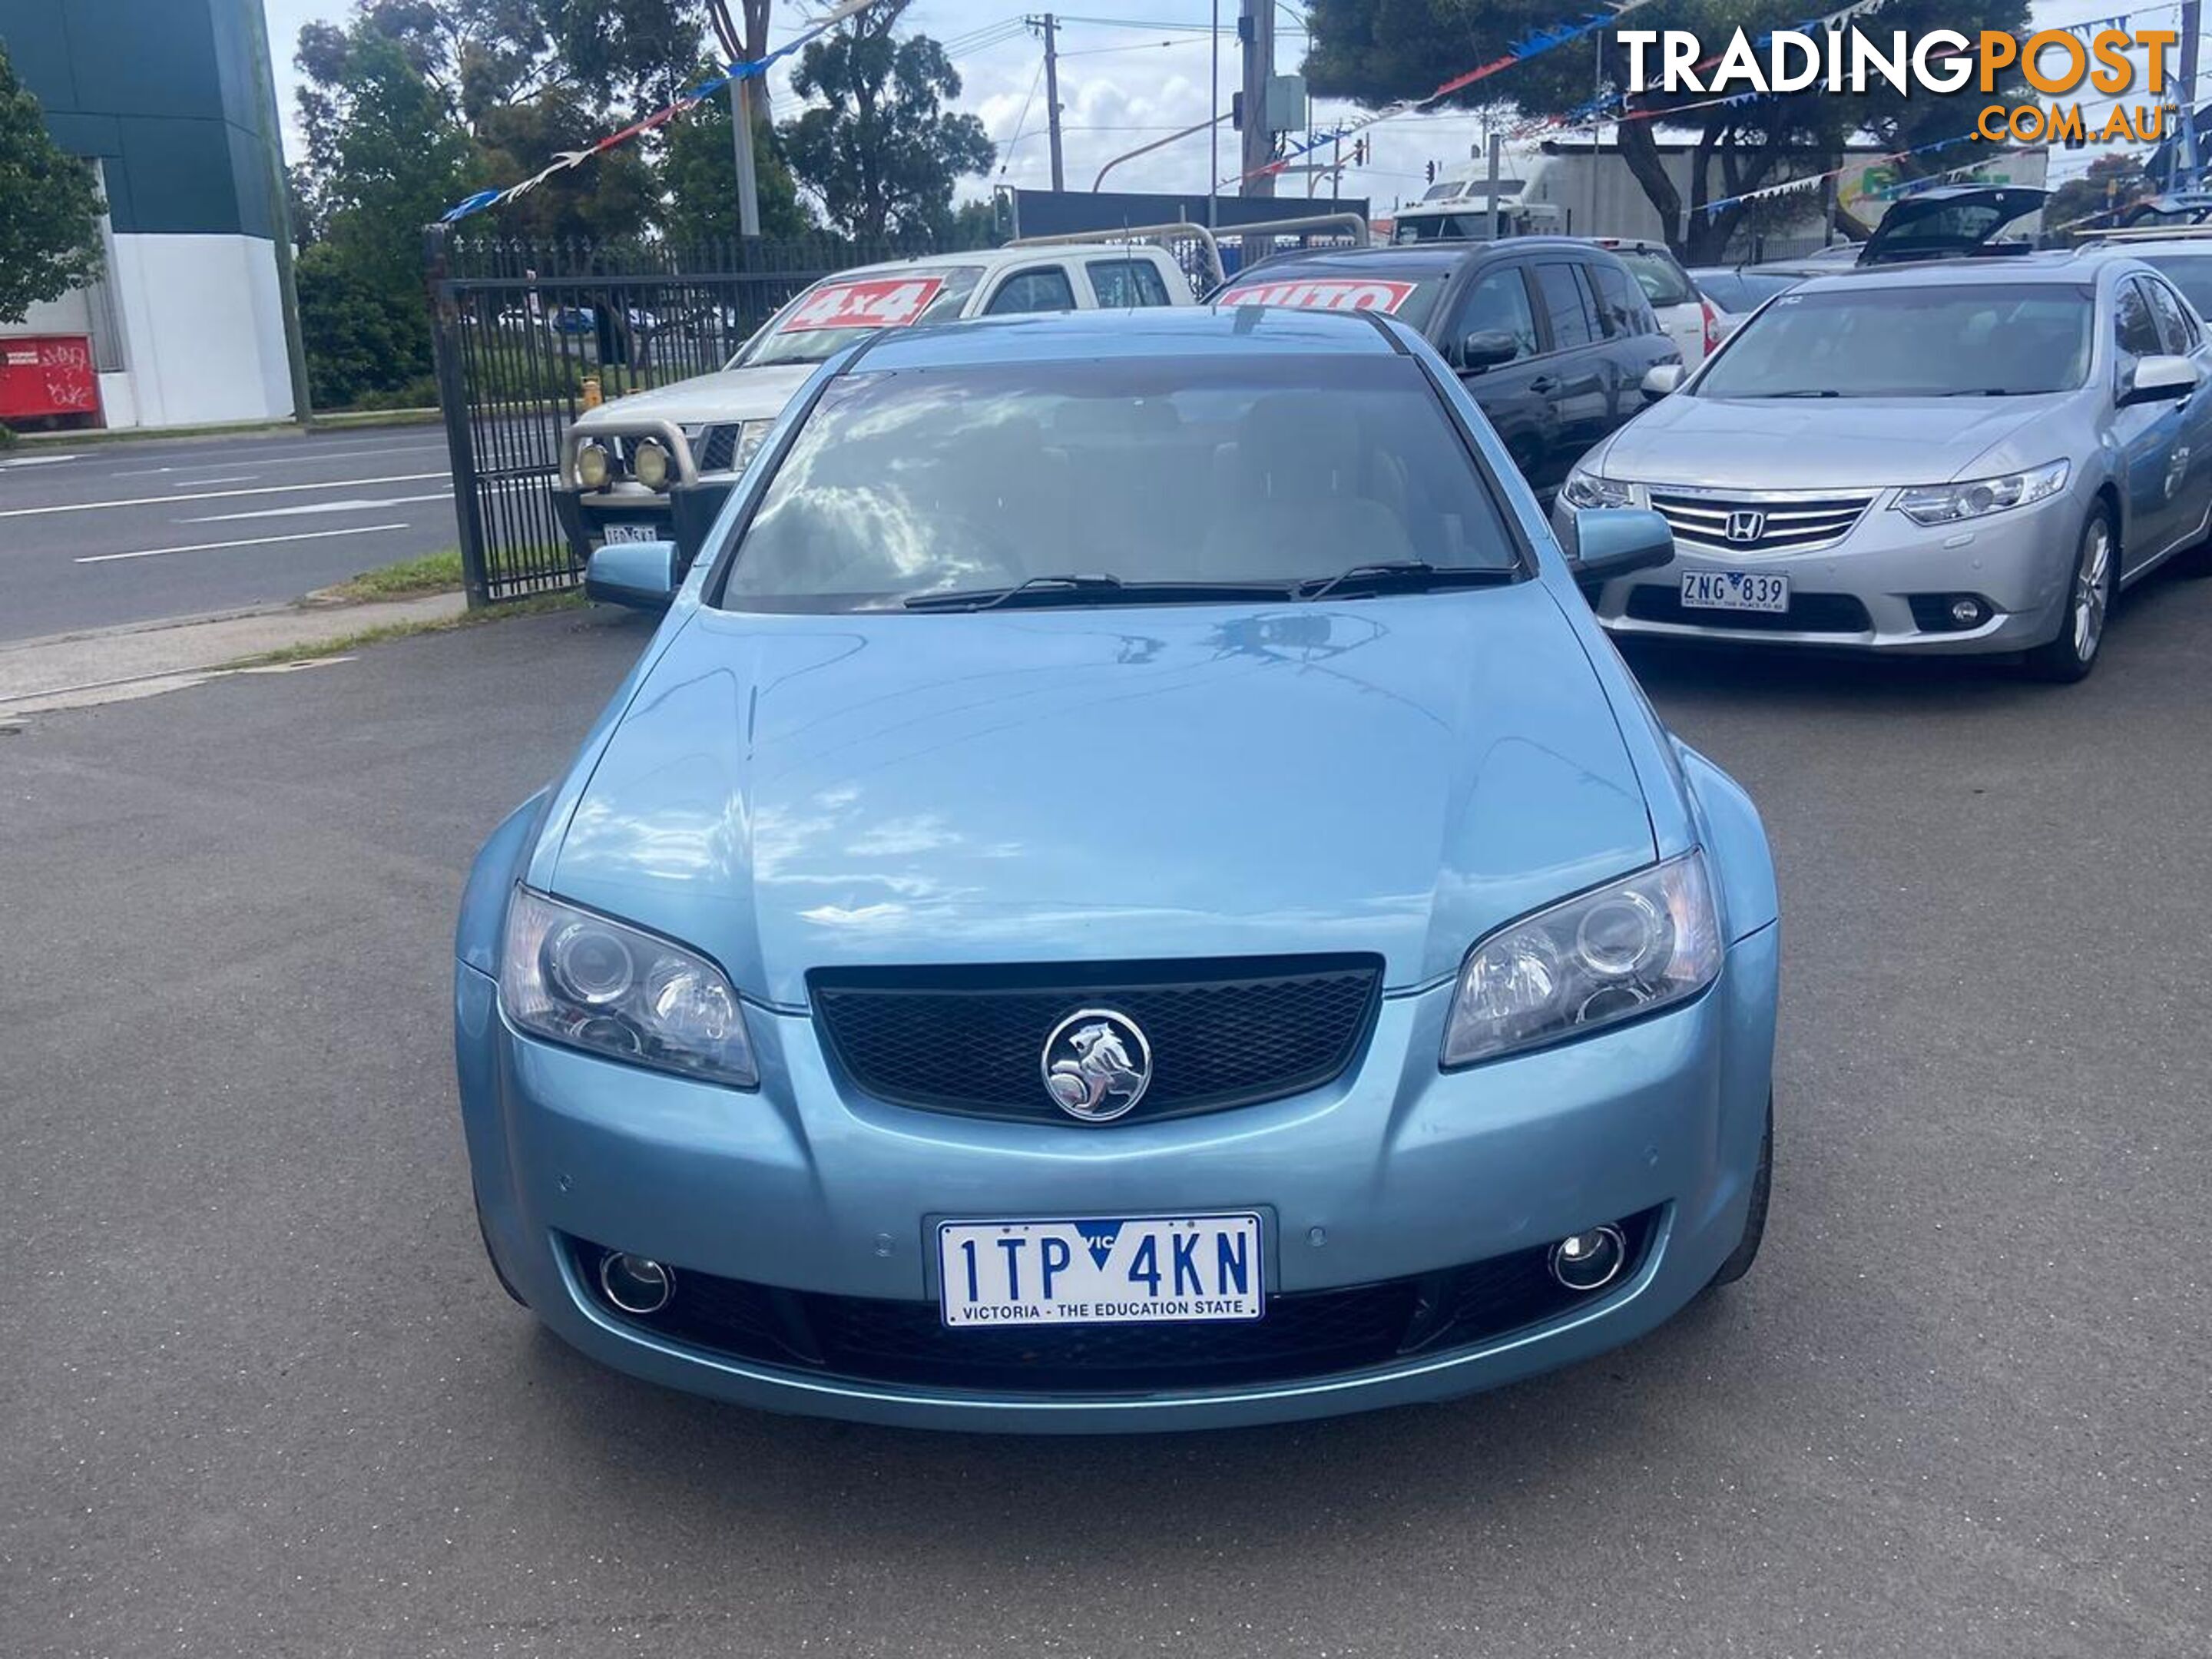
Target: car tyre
492	1256
1754	1222
2089	593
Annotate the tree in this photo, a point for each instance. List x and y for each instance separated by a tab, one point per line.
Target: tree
1375	50
50	207
700	174
882	154
2114	180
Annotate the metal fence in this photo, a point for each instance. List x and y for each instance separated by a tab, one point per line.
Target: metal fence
520	328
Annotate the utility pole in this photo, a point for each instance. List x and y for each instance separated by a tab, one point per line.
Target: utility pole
741	124
1050	24
1213	140
1255	32
2192	23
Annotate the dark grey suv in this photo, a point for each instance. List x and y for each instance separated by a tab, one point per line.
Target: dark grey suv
1553	336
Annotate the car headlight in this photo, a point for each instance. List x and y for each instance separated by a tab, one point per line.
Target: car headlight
579	978
1622	950
648	463
1588	489
1949	503
751	434
594	466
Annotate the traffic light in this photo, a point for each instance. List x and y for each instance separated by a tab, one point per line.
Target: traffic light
1432	172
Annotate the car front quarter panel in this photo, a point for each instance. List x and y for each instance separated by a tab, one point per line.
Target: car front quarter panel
499	862
1735	840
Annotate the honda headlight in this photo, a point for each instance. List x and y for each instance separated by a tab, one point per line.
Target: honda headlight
1616	953
1584	489
1950	503
576	977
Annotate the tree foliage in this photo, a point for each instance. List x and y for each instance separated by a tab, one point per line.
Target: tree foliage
50	207
882	156
1376	51
2113	181
701	177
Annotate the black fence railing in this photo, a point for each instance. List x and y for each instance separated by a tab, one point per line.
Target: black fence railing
519	331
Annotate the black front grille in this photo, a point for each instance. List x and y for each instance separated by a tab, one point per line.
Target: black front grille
1224	1033
1304	1334
716	450
1808	613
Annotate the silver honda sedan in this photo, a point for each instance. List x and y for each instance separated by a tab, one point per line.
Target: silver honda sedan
1973	456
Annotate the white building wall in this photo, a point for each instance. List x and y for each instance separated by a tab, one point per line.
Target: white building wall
203	331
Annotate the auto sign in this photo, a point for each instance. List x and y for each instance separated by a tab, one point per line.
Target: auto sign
1365	294
867	302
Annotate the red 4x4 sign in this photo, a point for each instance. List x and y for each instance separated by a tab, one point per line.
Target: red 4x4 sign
865	302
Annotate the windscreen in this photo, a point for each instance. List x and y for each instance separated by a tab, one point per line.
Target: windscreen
1738	291
1263	469
1994	341
840	311
2190	272
1660	277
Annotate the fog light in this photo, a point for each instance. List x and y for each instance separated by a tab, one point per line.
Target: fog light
1590	1261
648	461
593	467
1966	612
635	1283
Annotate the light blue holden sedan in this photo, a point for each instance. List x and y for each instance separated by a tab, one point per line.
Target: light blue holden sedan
1129	891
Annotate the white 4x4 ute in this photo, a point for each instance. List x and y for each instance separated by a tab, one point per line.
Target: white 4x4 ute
657	465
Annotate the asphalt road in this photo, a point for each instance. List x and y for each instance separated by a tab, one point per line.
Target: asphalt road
131	532
259	1395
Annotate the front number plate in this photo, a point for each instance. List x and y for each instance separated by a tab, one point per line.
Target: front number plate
1100	1271
1734	590
630	532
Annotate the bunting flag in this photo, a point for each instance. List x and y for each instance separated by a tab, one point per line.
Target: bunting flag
1815	179
689	98
1543	40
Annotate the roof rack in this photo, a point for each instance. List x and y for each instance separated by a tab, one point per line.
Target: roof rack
2142	233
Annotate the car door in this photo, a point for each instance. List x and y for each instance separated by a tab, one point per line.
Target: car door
1029	289
1495	299
2150	435
1578	375
1126	283
1636	341
2183	336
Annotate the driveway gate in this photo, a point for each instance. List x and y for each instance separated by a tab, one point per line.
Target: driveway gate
519	328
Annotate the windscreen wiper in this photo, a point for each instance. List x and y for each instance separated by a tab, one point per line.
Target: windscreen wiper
1078	589
1401	576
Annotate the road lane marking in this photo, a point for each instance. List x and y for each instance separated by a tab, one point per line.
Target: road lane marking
362	506
262	460
217	495
254	541
198	483
38	460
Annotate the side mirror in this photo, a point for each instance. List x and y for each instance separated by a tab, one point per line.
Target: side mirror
640	574
2159	380
1486	348
1618	541
1661	380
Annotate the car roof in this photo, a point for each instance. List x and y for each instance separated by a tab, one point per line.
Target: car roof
1163	331
2145	247
992	259
1421	258
2060	268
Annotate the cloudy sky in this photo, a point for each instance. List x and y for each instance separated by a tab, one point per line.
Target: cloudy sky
1128	81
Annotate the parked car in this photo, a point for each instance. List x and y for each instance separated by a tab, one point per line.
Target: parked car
1691	321
1736	291
1127	892
659	464
1962	458
2181	254
1554	336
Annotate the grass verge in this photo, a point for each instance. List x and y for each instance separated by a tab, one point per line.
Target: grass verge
308	650
433	573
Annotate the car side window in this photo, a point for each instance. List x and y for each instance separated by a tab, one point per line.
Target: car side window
2134	326
1499	303
1621	306
1044	289
2174	322
1127	284
1567	306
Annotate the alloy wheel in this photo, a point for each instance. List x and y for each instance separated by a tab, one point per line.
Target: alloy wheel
2093	584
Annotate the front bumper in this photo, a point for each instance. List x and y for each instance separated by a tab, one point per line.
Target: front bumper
683	514
1394	1171
1862	587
